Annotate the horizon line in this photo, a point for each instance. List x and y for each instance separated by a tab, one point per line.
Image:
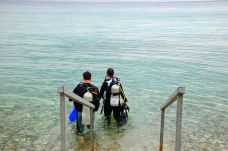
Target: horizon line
118	1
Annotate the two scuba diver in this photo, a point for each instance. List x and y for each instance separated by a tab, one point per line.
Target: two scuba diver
111	90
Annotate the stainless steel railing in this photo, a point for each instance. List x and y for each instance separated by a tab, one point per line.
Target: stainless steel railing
176	96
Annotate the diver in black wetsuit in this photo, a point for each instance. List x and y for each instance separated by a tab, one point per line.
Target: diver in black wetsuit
110	91
90	93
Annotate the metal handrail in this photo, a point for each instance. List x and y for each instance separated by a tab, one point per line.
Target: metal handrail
177	95
80	100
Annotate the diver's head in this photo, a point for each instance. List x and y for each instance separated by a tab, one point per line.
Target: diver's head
87	77
110	72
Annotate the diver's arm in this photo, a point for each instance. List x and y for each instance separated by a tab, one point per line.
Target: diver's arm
122	94
103	88
75	90
78	91
96	99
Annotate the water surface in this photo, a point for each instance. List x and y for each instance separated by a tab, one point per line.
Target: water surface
154	48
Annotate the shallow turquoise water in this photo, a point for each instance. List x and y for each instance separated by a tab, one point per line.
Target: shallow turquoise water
153	49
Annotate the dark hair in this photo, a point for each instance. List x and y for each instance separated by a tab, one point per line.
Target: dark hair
110	72
87	75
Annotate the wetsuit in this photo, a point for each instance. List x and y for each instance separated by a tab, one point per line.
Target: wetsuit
80	90
105	93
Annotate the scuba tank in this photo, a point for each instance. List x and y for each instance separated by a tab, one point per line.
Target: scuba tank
115	95
85	109
88	96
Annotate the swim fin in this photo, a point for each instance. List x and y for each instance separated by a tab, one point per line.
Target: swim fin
73	115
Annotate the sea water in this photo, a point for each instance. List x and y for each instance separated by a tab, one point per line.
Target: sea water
153	47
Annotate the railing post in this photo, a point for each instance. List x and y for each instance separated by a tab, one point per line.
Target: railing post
62	121
162	129
91	129
179	121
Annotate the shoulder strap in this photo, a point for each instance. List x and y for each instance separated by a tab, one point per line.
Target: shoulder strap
109	82
92	89
116	80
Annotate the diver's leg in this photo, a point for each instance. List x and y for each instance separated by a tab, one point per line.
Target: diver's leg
107	110
80	126
116	113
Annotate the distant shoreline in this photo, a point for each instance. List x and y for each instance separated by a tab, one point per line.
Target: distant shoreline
117	2
188	3
128	1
